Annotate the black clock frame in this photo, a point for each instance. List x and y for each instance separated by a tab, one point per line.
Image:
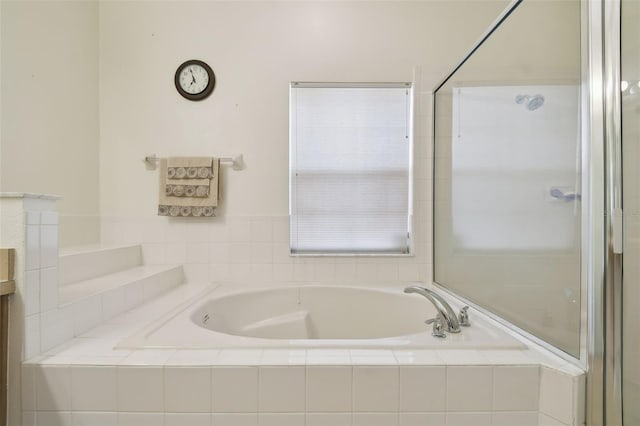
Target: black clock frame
207	90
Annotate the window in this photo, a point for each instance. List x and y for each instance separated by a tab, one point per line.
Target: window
350	168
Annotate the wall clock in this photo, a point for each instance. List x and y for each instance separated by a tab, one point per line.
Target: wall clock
194	80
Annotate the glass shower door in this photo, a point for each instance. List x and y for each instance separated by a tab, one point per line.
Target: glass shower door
630	100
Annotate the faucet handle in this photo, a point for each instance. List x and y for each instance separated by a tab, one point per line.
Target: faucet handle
438	329
464	317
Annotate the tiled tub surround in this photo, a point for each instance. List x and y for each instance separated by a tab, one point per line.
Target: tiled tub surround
87	382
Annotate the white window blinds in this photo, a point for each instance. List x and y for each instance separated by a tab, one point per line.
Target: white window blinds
350	156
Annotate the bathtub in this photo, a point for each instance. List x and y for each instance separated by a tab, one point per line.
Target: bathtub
311	316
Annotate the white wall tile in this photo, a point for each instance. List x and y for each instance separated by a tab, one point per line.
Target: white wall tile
187	389
31	293
261	230
234	389
33	247
469	388
49	218
281	419
233	419
511	419
53	388
219	252
282	389
48	246
93	388
469	419
32	218
53	418
261	253
94	419
329	389
516	388
196	272
87	313
421	388
556	395
28	418
140	389
198	252
423	419
544	420
32	336
153	253
375	389
182	419
113	303
140	419
48	289
28	387
56	327
375	419
328	419
175	253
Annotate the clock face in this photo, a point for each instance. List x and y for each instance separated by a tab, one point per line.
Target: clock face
194	80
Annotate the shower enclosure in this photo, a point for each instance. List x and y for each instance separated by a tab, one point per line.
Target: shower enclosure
537	188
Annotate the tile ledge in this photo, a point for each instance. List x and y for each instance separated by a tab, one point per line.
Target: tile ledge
29	195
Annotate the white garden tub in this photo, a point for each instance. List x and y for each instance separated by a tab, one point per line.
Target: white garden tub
310	317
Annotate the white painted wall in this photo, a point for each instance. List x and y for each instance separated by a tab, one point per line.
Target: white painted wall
256	49
50	108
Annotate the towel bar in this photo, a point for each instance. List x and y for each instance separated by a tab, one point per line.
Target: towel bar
237	161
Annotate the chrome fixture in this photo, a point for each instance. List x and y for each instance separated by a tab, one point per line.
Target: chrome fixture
464	317
438	330
532	103
448	318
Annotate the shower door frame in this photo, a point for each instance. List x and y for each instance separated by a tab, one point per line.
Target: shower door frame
604	375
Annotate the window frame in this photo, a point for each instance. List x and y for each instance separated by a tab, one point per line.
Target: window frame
409	87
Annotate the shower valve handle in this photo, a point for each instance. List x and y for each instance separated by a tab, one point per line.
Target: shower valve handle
464	317
438	329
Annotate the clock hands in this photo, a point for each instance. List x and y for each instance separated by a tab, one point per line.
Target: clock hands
193	78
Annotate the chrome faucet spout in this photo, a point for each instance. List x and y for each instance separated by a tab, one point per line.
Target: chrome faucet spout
451	323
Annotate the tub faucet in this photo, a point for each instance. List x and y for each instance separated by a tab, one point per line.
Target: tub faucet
450	319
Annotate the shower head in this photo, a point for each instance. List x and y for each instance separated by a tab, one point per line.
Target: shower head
532	103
